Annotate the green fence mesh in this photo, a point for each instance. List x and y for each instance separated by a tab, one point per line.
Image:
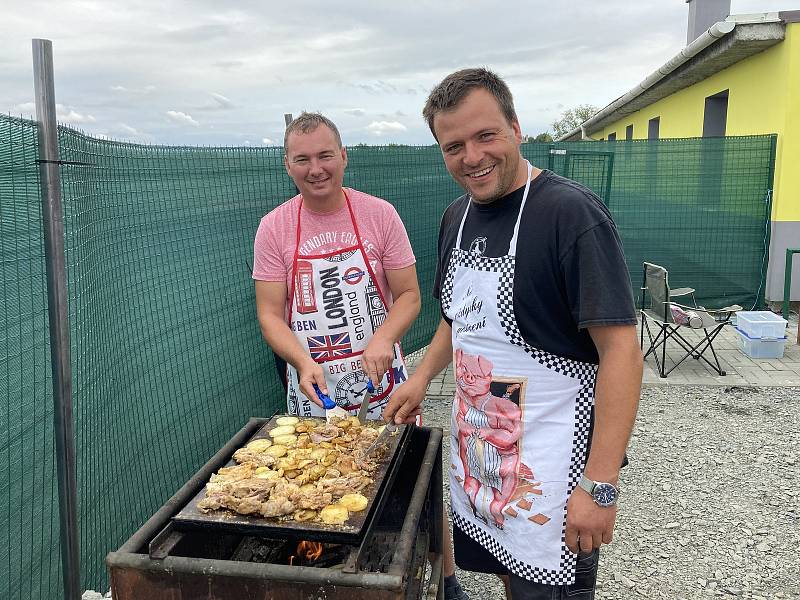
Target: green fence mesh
699	207
167	357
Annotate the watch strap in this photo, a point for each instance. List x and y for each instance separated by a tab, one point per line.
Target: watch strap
587	484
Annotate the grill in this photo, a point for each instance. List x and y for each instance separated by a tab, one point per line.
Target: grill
387	558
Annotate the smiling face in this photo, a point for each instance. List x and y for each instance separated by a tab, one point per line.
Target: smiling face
316	163
480	147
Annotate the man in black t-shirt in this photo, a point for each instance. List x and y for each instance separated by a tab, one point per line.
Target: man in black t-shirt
538	314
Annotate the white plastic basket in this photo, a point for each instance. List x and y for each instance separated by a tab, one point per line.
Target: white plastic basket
760	347
761	324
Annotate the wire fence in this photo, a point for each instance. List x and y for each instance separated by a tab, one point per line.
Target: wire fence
168	361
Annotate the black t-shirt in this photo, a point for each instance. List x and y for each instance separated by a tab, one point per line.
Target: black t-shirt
570	268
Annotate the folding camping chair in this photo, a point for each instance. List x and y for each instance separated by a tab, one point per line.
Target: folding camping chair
670	320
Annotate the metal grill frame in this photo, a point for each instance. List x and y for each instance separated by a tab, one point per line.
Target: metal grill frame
135	575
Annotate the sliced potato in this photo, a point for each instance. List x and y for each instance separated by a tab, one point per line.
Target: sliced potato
334	514
288	420
291	474
301	428
268	475
259	445
277	450
354	421
329	459
354	502
288	463
305	515
286	440
308	487
281	430
318	453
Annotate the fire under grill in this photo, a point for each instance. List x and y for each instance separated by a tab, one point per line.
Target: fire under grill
163	560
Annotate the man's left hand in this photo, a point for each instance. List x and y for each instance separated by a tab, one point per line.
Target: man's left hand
588	525
377	358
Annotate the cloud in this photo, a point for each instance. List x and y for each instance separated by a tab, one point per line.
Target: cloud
202	33
26	108
182	118
64	114
267	142
135	91
127	129
384	127
356	112
222	101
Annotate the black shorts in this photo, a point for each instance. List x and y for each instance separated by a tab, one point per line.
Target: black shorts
471	556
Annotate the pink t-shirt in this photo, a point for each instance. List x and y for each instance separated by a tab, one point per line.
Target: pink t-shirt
382	233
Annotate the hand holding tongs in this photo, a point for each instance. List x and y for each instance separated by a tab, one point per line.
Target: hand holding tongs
388	430
368	393
331	408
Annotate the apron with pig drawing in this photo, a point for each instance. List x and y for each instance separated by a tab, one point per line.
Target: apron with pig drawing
520	421
335	307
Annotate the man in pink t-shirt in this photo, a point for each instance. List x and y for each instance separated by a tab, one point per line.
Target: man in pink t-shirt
336	283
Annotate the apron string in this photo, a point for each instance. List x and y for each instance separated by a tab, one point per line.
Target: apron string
512	246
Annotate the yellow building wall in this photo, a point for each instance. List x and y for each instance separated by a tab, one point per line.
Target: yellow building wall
763	97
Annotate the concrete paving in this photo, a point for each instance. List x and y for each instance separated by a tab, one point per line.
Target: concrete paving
740	369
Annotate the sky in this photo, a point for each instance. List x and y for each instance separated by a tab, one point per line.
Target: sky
205	72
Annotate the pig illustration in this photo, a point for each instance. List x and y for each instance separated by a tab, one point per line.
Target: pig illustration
489	428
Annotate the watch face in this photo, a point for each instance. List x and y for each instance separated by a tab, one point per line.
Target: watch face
605	494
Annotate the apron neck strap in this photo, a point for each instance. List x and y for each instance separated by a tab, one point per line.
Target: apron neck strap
512	246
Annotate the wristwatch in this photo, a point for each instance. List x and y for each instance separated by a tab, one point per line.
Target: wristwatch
604	494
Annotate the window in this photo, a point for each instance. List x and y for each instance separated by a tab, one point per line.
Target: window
612	137
715	116
652	128
629	132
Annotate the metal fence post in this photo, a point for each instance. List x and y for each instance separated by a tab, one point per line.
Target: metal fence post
787	280
55	260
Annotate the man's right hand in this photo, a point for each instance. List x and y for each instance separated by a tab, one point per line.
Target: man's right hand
310	373
406	401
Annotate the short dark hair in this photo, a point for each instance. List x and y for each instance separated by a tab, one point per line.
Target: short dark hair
455	87
308	122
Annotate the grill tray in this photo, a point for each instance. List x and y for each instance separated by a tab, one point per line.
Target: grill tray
352	532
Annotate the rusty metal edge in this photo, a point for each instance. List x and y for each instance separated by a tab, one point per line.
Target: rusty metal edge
405	546
224	568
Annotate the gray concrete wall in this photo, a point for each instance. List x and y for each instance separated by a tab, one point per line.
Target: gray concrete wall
785	234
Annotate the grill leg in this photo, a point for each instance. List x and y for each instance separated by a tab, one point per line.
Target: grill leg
436	585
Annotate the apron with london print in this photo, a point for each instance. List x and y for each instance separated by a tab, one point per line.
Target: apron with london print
520	421
335	308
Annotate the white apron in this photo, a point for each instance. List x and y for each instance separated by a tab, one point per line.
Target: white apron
520	421
335	307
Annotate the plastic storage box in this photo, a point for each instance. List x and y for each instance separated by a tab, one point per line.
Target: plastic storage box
764	347
761	324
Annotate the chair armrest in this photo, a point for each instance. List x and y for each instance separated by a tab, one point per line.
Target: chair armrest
728	309
681	292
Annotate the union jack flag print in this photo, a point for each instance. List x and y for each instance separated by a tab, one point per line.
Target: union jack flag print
324	347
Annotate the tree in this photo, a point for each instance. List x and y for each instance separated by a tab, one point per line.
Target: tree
572	118
543	137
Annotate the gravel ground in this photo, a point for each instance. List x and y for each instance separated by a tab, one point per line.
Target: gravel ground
710	503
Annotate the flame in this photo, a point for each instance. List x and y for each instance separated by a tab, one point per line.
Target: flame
311	550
